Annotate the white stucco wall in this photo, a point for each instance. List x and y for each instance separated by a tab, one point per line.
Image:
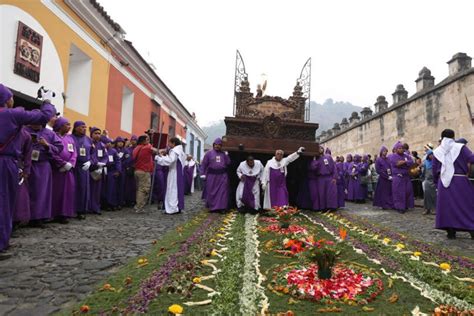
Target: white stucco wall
51	75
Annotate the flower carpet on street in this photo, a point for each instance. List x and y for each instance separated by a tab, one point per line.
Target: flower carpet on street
286	262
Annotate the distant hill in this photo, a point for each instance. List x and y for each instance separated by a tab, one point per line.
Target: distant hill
325	114
331	112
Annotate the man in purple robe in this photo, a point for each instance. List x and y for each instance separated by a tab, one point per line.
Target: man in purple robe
46	144
248	191
347	174
63	175
274	179
97	180
383	192
326	178
189	175
340	182
11	121
85	155
402	189
159	185
22	213
174	159
455	201
112	184
354	189
121	153
130	193
214	170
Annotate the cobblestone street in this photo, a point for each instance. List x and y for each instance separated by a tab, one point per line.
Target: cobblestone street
414	224
55	267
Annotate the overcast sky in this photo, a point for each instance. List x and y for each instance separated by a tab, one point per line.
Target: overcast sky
359	49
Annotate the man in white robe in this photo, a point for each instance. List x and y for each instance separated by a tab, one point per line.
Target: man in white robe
248	191
175	160
274	179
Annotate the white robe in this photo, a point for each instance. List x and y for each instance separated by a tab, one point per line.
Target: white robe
272	163
171	196
191	164
245	170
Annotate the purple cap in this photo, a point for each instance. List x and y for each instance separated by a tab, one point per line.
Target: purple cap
5	95
134	137
217	141
94	129
328	151
119	139
79	123
382	149
60	122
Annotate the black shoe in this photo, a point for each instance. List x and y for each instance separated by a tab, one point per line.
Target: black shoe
36	224
62	220
451	234
81	216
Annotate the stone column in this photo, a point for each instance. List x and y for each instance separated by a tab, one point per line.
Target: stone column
354	118
400	94
425	80
344	124
459	62
366	113
381	104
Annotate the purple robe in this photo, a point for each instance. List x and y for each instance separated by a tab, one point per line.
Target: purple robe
188	178
214	167
159	185
248	199
402	188
347	176
326	182
278	189
112	184
130	192
383	192
11	121
40	182
64	183
340	184
85	152
363	172
22	207
98	156
354	189
121	178
455	204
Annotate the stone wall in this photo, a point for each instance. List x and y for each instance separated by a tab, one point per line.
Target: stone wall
416	120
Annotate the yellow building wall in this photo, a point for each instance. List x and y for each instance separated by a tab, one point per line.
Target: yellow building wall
63	36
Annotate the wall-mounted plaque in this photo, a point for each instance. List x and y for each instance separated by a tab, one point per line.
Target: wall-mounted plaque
29	45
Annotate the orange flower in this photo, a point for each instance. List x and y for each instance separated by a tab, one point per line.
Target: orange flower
84	309
343	233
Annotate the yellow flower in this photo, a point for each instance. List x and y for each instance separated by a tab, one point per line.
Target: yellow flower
141	261
213	252
204	261
386	240
417	253
445	266
222	229
400	246
212	240
197	280
175	309
220	235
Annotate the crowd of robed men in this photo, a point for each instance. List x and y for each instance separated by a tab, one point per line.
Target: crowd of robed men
49	174
54	175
